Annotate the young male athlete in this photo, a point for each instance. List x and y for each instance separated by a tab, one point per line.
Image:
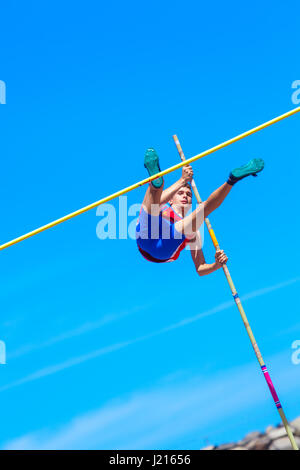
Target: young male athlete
164	228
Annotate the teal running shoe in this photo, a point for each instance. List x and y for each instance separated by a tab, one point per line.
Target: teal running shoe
151	163
252	168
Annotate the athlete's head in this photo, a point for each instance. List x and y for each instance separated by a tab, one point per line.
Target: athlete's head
183	197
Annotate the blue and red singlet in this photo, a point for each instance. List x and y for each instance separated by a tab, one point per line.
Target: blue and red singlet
156	236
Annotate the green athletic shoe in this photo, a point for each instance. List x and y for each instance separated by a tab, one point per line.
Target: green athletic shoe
252	168
151	163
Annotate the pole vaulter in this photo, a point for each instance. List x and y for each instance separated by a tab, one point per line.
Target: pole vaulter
157	175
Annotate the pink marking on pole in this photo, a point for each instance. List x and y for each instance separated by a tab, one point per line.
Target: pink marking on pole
271	386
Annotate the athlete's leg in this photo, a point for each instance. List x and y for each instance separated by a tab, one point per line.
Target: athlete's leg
151	200
216	199
152	197
191	223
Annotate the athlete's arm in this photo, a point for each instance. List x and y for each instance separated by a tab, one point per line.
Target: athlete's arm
167	194
198	258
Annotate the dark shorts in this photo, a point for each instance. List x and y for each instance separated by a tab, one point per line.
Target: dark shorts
158	236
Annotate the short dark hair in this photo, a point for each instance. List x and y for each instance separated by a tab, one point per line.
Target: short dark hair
187	185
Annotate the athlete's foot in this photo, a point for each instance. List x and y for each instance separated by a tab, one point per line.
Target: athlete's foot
151	162
252	168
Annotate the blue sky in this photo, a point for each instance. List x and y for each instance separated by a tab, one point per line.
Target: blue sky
106	350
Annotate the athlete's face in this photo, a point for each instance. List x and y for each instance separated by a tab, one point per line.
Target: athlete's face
183	198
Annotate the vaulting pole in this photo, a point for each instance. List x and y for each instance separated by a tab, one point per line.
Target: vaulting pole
147	180
242	312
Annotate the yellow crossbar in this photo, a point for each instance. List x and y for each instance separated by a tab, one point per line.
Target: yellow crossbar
147	180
